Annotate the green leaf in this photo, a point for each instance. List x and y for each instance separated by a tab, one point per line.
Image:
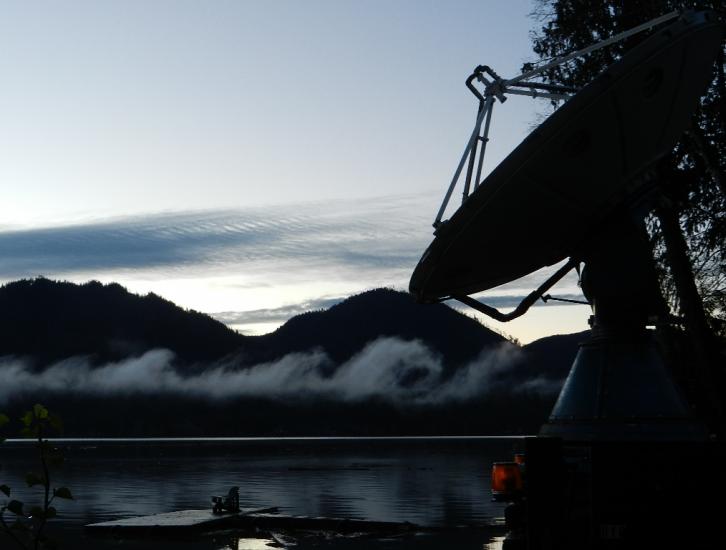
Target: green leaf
29	431
40	411
5	489
33	479
4	419
63	492
27	419
16	507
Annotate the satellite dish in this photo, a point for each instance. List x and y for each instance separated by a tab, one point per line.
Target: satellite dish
556	189
568	191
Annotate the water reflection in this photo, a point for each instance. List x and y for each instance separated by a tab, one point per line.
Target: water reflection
250	544
494	544
459	540
424	482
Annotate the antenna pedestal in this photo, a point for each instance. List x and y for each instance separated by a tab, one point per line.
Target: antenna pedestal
619	387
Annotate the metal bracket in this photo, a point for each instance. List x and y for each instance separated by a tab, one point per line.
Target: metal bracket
525	304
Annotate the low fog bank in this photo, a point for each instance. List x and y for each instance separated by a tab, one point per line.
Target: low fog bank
388	369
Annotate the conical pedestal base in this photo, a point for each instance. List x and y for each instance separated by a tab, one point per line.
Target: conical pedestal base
619	389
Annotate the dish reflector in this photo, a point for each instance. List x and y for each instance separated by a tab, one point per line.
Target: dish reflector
544	200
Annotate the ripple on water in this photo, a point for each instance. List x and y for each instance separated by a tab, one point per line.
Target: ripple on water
433	483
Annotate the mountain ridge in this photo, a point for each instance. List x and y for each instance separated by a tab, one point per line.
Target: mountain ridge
53	320
444	355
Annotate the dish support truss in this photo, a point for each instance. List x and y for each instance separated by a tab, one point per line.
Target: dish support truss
497	88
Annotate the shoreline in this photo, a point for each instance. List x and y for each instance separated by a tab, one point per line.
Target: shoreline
267	438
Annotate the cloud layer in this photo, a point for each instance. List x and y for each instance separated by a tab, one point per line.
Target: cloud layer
357	235
402	372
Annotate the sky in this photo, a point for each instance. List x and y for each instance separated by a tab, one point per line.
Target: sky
249	159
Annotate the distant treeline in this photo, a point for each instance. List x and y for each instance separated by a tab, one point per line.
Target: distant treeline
43	322
169	416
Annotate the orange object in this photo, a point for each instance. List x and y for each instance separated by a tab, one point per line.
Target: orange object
506	478
519	458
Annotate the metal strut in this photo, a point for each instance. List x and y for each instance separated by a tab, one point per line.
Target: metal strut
525	304
497	88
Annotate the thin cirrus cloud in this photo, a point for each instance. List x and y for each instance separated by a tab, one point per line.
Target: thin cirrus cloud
376	234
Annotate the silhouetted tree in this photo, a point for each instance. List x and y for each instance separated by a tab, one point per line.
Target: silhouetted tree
688	225
25	525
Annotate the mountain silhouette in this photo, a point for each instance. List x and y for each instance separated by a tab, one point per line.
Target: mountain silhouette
551	357
43	322
342	330
48	321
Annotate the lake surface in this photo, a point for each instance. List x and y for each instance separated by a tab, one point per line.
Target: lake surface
428	481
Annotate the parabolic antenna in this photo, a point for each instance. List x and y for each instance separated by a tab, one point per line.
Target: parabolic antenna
545	200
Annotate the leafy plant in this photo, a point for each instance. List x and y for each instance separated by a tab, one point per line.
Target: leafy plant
25	525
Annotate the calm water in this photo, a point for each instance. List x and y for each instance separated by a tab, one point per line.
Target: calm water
433	482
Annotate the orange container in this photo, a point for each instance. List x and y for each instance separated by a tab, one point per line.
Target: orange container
506	479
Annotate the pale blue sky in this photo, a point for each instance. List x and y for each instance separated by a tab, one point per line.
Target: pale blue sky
330	128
